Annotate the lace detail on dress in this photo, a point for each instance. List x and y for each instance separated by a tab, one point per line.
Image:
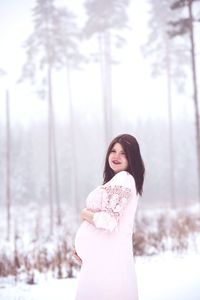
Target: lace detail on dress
114	199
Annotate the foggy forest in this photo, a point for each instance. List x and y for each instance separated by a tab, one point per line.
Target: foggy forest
73	75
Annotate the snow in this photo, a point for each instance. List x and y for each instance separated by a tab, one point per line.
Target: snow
166	276
169	277
163	273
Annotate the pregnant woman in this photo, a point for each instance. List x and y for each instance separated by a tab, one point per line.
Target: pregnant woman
103	242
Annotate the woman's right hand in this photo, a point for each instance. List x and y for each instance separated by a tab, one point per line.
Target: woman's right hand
75	255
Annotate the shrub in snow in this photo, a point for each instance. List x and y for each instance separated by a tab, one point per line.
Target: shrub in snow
173	230
32	250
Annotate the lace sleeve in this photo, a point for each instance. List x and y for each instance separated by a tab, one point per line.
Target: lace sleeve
115	197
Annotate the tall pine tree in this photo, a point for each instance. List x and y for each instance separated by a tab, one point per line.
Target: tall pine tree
181	26
41	59
105	20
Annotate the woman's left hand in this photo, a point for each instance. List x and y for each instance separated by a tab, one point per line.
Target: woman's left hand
87	215
83	213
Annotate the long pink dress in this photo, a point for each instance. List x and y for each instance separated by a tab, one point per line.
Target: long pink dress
108	270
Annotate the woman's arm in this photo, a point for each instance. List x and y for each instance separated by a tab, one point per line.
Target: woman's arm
114	198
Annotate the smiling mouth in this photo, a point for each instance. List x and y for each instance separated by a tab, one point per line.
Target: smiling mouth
116	162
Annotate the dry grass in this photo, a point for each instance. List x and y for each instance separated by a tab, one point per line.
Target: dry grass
166	231
153	234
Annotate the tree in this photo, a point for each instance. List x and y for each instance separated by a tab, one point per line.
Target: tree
67	41
41	59
105	19
185	25
8	193
54	45
168	58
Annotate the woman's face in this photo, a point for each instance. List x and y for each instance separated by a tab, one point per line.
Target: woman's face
117	159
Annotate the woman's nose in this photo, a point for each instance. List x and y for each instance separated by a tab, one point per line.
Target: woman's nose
117	155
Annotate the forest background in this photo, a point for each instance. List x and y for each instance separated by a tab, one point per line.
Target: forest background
74	74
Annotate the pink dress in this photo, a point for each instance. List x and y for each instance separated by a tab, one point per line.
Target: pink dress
108	271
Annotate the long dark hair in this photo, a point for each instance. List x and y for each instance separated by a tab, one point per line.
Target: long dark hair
135	162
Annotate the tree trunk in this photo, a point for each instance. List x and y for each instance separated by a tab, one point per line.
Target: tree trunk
8	196
74	181
195	93
108	86
106	80
170	122
55	170
50	152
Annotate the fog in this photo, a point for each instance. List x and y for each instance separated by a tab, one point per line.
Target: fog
79	138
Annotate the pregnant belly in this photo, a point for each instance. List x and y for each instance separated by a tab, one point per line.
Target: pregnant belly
85	239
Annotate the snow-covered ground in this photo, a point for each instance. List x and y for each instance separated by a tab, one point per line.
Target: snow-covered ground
166	276
169	277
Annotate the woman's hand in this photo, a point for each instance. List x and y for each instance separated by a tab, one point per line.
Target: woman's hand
75	255
83	214
87	215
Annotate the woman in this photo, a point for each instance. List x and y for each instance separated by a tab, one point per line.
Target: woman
103	242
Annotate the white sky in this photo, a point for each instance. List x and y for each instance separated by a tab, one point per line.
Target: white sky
137	89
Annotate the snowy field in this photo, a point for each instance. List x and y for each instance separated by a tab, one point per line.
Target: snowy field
162	277
166	275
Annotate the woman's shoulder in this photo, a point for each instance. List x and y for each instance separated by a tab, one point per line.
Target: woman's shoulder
123	178
123	174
